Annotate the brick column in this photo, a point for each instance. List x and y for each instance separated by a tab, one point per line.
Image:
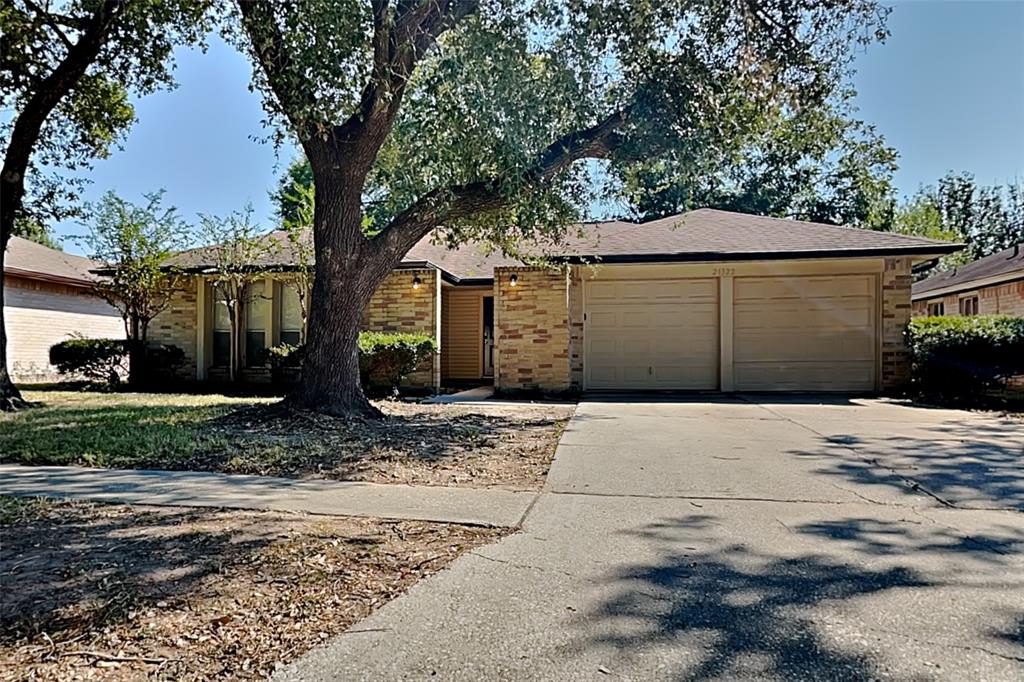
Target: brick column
531	322
896	311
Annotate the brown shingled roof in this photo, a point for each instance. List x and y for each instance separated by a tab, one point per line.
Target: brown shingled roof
26	258
1005	265
704	234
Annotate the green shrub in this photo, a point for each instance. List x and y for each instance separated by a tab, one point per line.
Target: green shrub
163	361
955	358
101	360
285	356
385	359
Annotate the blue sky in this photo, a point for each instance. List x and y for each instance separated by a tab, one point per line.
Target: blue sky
946	90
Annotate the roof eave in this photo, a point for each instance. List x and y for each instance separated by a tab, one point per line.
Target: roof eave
712	256
47	277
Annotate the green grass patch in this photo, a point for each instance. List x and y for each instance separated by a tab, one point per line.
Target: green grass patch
111	429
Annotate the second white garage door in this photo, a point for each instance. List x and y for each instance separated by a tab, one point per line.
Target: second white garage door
811	333
657	334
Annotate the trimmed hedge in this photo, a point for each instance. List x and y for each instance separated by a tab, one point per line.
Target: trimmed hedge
101	360
385	358
957	358
107	361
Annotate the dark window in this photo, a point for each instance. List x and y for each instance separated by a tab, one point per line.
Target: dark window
290	337
936	309
221	348
254	349
969	305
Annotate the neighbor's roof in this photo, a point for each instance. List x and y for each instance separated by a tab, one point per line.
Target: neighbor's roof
28	259
701	235
1005	265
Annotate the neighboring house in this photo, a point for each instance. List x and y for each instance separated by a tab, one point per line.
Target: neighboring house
993	285
708	300
47	299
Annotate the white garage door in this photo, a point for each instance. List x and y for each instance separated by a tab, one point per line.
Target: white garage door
804	333
658	334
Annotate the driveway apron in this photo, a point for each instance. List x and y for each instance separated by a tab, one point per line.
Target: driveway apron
733	538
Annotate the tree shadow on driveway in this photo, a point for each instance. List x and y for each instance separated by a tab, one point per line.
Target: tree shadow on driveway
710	609
962	463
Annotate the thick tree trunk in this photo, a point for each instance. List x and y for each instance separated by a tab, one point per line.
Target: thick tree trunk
348	272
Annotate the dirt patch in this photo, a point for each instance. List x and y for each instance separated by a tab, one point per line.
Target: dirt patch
448	445
124	593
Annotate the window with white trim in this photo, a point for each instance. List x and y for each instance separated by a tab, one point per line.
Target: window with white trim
221	331
969	305
938	308
290	315
255	323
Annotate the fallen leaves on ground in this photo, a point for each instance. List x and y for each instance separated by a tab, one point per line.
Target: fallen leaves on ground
122	593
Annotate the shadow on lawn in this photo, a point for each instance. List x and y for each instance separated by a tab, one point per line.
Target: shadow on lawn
239	437
969	463
758	615
77	569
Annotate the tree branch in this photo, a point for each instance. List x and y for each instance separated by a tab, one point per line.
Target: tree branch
29	123
398	47
440	206
269	47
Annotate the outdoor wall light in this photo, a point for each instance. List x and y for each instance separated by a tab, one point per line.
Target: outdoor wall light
513	280
416	282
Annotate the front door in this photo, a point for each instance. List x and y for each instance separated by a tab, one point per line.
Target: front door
488	336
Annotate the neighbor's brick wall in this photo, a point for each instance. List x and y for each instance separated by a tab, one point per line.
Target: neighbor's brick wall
896	281
397	307
40	314
531	323
998	299
176	326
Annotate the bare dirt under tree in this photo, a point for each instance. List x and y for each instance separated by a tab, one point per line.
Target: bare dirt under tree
124	593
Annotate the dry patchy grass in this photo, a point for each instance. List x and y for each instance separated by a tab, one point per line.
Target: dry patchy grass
508	446
123	593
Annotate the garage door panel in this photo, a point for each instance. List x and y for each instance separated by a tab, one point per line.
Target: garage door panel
660	334
809	376
804	333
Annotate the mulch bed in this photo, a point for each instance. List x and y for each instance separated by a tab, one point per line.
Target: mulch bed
124	593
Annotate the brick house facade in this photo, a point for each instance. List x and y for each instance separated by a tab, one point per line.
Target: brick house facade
993	285
815	307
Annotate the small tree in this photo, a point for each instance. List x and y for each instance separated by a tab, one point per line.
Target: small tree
236	249
134	242
299	229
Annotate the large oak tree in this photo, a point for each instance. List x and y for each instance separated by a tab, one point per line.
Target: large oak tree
66	71
483	119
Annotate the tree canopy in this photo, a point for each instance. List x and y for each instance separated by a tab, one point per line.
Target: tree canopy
481	119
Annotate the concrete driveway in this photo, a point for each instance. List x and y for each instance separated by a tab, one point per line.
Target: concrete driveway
740	538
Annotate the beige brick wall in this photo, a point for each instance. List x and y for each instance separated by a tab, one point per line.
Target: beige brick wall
531	330
40	314
176	326
896	310
398	307
998	299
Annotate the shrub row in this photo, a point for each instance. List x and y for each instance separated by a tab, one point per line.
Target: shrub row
105	361
963	358
385	359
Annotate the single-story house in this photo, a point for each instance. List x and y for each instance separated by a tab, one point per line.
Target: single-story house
993	285
48	299
708	300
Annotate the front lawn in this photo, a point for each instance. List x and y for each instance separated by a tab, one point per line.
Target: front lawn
469	445
124	593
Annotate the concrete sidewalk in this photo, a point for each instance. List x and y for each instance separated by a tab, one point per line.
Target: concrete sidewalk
479	506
